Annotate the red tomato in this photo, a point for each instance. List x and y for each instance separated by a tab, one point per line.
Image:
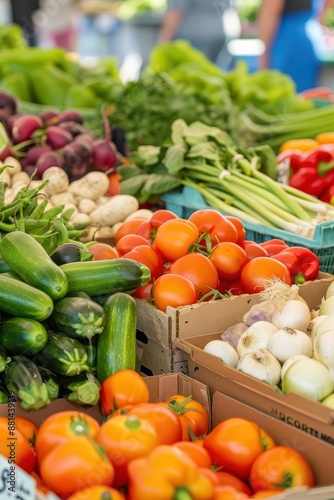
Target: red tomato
161	216
147	255
239	227
230	287
174	238
261	269
129	227
173	290
194	417
14	445
144	292
274	246
235	443
279	468
146	230
253	250
128	242
123	388
199	270
165	422
229	259
214	223
102	251
228	479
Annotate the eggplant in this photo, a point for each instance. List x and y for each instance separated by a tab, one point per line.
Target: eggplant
70	252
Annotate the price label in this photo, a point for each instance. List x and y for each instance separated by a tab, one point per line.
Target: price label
15	484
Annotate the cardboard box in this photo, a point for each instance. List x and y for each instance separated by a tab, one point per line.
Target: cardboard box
155	360
311	417
319	455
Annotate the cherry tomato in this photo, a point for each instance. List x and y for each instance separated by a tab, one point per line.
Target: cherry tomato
261	269
193	415
161	216
165	422
14	445
128	242
225	478
229	259
239	227
102	251
174	238
97	493
173	290
197	453
235	443
215	224
123	388
149	256
253	250
125	438
199	270
61	428
74	465
279	468
129	227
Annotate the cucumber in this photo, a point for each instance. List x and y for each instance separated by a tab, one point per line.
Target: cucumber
63	355
23	336
27	258
101	277
116	345
20	299
77	317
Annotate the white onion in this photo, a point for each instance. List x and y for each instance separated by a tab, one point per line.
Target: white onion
309	378
330	291
326	324
329	401
261	365
327	306
324	348
292	314
287	342
257	336
224	351
290	361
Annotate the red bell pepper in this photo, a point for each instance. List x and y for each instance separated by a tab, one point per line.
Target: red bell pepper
328	195
273	246
292	156
308	264
317	155
307	179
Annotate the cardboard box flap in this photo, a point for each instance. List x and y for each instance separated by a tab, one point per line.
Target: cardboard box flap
320	455
323	493
305	406
154	323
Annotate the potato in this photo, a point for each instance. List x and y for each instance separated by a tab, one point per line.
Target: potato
142	213
6	177
115	210
92	185
72	206
86	206
58	180
15	164
102	200
62	198
20	177
115	228
8	196
102	232
17	188
78	217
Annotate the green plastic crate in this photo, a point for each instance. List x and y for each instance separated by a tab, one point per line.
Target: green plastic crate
184	203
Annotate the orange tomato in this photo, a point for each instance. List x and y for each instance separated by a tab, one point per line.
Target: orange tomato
130	226
63	427
239	227
74	465
14	445
103	251
279	468
199	270
174	238
173	290
213	223
165	422
97	493
197	453
227	479
235	443
194	417
130	241
125	438
27	427
260	269
114	183
266	493
223	492
123	388
229	260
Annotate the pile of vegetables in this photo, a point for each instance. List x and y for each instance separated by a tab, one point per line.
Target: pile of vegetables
237	181
146	450
64	317
280	341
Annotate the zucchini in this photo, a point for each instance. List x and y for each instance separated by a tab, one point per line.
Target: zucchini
77	317
23	336
22	378
4	267
20	299
26	257
70	252
116	345
101	277
51	381
82	389
4	359
63	355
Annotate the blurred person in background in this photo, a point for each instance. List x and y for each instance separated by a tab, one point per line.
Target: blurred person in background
200	22
283	26
55	23
21	14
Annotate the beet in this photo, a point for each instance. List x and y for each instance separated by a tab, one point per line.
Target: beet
56	137
74	128
35	152
70	115
104	155
47	160
8	102
49	116
24	127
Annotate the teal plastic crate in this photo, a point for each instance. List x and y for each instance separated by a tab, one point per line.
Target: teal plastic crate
184	203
